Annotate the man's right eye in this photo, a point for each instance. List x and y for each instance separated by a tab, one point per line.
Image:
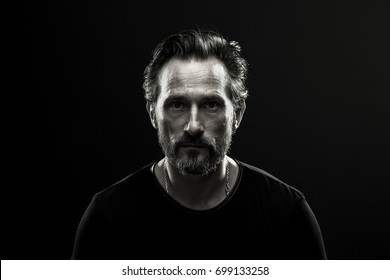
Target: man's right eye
176	105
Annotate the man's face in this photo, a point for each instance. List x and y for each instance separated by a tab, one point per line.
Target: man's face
194	115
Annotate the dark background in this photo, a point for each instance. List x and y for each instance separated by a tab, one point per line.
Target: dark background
75	122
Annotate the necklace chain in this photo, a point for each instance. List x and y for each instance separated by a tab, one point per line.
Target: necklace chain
227	184
165	175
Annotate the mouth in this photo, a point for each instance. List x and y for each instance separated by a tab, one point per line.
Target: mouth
191	145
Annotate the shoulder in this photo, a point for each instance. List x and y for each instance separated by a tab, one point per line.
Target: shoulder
262	181
125	188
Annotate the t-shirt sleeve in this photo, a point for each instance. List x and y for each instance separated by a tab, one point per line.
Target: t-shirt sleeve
307	233
92	234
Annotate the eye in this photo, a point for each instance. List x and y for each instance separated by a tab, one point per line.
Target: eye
176	105
212	105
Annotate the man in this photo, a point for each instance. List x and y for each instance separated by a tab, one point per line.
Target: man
196	202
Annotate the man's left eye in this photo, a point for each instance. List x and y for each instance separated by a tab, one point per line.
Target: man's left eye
212	105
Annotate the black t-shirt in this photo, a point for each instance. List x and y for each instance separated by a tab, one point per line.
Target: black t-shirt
262	218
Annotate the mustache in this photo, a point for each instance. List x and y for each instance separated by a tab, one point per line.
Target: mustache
189	140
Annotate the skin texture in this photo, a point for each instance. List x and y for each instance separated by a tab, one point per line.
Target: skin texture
195	120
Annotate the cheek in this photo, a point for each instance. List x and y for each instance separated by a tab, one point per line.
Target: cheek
171	126
218	124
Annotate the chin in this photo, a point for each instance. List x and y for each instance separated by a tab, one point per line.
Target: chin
195	166
194	155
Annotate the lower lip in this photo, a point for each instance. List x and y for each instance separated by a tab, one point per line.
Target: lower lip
193	147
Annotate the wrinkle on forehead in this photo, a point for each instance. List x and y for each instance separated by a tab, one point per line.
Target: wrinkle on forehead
190	81
182	75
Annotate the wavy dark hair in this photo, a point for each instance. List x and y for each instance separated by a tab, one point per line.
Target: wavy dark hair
199	44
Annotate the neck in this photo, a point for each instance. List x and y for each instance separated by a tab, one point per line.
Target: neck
194	191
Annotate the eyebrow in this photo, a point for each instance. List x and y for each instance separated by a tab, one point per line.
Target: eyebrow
206	98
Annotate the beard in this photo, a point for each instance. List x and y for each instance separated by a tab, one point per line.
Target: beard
217	148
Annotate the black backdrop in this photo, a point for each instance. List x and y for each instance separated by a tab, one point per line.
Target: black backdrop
317	116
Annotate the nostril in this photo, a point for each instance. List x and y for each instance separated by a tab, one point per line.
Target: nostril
194	127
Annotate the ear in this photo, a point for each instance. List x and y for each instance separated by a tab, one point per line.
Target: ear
150	107
238	115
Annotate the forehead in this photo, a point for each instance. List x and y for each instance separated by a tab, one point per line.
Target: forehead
181	76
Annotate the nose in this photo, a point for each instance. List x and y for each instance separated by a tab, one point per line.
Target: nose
194	125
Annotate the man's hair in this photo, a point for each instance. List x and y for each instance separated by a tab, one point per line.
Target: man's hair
198	44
